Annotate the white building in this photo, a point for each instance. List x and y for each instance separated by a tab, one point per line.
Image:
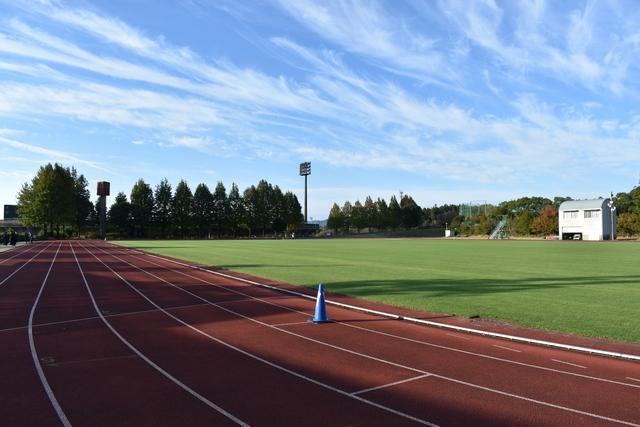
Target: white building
587	220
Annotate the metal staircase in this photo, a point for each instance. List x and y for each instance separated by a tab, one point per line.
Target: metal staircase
500	232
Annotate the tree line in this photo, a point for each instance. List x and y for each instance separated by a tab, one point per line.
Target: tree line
526	216
376	215
261	209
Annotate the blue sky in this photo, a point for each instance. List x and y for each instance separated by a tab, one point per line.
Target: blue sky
446	101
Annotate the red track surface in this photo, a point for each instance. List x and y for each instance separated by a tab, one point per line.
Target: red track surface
119	338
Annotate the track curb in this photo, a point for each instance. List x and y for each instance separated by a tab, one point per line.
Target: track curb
514	338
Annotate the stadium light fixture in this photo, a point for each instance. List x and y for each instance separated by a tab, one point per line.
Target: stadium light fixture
613	210
305	170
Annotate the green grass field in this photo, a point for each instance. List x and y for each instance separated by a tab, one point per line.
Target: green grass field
587	288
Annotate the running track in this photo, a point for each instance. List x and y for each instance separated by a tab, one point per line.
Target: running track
94	334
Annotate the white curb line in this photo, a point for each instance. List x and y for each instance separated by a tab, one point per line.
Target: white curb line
515	338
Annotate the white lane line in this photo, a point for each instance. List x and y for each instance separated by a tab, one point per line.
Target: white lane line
277	325
14	255
23	265
85	319
633	379
254	356
446	326
507	348
146	359
373	331
458	336
34	353
500	392
551	405
568	363
390	384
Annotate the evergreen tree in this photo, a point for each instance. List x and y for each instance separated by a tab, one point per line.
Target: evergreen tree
370	213
182	209
202	210
162	207
237	213
119	214
220	209
248	203
141	207
358	216
278	210
410	212
293	212
347	208
336	218
395	217
382	215
82	205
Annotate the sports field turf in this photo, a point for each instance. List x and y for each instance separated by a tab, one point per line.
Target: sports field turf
587	288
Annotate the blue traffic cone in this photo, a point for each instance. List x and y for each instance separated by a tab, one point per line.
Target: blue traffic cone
321	312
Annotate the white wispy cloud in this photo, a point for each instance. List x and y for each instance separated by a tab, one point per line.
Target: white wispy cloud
333	110
367	28
53	155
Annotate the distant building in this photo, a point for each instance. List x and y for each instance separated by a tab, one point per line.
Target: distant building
587	220
10	212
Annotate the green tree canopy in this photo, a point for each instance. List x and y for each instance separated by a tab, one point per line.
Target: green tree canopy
141	207
182	209
119	214
336	218
202	210
54	198
162	206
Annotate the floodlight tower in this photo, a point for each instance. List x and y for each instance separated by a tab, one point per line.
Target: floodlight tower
613	211
103	192
305	170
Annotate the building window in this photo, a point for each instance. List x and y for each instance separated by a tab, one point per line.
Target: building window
592	214
570	215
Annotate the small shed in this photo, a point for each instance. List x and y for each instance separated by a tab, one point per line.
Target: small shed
587	220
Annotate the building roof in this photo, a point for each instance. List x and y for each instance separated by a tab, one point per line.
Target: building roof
571	205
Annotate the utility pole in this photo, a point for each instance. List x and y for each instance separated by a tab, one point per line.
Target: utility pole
305	170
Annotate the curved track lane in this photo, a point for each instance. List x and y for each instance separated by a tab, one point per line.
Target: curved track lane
562	392
128	339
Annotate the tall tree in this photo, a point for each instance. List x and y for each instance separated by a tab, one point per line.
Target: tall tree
278	210
293	212
203	202
141	207
347	210
336	218
219	209
182	208
119	214
248	203
410	212
370	213
162	207
382	215
82	205
395	216
358	216
48	201
237	213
